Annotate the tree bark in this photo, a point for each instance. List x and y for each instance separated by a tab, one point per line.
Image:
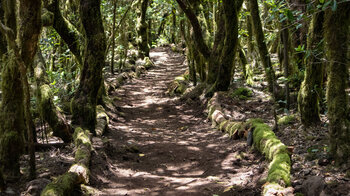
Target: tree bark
337	36
142	29
260	39
84	102
12	109
310	92
231	10
30	28
113	35
285	39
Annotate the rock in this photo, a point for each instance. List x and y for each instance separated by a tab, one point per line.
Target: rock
35	187
313	186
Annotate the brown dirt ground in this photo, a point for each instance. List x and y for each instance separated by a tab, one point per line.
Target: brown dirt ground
158	145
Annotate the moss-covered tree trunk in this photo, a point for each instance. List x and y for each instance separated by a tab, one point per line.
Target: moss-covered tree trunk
310	92
337	37
84	102
30	28
12	125
260	40
142	28
231	10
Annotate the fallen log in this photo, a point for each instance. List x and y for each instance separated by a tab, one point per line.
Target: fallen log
263	139
102	120
78	173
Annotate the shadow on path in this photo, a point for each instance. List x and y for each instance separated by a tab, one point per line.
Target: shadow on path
164	147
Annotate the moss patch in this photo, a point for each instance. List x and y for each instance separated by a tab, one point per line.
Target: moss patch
266	141
285	120
62	186
242	93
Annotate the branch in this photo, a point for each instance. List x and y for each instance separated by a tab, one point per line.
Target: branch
197	30
7	31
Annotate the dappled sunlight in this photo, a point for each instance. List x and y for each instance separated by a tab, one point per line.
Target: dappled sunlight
160	146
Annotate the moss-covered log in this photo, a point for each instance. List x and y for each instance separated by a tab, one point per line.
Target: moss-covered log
264	139
114	83
337	37
102	120
310	92
85	99
52	115
78	173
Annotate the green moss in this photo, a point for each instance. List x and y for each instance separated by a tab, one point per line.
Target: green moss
101	113
148	63
242	93
235	126
180	78
223	125
81	137
285	120
266	141
62	186
279	169
82	154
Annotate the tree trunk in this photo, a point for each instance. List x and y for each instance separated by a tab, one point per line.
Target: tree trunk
142	29
285	39
231	10
113	35
173	27
12	125
30	28
310	92
85	99
336	36
260	39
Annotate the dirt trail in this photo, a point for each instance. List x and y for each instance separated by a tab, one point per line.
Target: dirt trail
164	147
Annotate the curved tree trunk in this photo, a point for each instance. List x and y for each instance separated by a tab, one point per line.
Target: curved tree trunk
84	102
336	35
310	92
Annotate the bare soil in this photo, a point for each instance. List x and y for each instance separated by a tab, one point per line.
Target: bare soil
157	145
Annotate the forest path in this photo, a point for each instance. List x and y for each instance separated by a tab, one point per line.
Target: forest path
164	147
